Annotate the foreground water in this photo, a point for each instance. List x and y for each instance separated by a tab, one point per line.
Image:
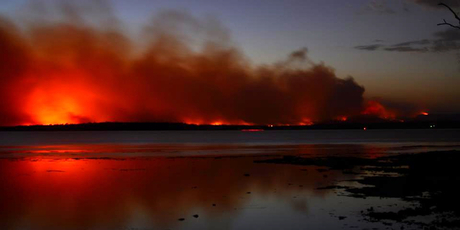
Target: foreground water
195	179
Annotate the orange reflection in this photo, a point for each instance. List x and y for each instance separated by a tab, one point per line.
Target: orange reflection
87	193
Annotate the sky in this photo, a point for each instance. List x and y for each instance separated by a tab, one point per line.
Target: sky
394	48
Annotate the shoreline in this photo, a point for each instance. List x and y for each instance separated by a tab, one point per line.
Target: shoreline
429	179
163	126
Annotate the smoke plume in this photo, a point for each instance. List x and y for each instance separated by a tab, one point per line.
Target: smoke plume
181	69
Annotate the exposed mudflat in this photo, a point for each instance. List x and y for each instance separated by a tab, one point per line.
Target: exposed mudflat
430	180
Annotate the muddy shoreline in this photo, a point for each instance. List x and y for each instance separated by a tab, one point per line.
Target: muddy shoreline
428	179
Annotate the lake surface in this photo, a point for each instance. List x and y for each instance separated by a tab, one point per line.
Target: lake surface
193	179
271	137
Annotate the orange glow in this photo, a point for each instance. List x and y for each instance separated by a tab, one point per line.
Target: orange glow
306	121
49	108
68	72
80	194
424	113
374	108
59	101
342	118
252	130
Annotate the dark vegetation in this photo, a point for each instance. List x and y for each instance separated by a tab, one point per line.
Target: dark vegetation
122	126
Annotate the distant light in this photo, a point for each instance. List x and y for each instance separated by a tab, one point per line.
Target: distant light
424	113
365	128
252	130
271	126
343	118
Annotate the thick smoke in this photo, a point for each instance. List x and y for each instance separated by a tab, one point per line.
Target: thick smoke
183	69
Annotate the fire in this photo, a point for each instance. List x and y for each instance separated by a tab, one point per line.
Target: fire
72	72
48	110
374	108
59	102
342	118
305	122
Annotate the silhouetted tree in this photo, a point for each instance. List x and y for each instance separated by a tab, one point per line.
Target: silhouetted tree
453	12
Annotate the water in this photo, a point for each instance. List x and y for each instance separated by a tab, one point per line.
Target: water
424	136
151	180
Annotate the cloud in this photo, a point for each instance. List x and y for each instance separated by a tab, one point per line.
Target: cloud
369	47
446	40
408	46
448	35
443	41
420	42
406	49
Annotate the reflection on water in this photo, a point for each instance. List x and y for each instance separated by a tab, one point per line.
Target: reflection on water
229	192
103	185
78	151
151	193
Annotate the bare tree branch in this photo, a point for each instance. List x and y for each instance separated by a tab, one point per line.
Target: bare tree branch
453	12
446	23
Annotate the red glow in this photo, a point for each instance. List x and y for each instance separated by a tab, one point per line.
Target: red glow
342	118
252	130
374	108
424	113
74	73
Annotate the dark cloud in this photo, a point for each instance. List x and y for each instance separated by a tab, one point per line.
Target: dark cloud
443	41
369	47
420	42
300	55
446	40
406	49
408	46
448	35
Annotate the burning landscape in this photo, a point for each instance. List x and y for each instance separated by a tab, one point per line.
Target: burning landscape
140	115
183	69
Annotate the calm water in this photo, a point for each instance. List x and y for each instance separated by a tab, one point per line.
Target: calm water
151	180
232	137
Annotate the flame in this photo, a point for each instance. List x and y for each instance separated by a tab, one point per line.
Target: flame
374	108
342	118
217	123
72	72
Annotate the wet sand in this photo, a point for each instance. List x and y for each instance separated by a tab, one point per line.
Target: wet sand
289	187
